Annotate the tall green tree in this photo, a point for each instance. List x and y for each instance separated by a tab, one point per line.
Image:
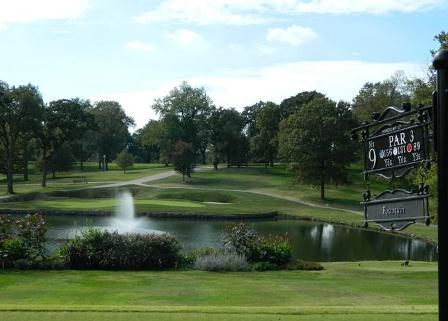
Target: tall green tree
20	113
190	107
316	141
112	133
227	140
63	121
292	104
264	144
375	97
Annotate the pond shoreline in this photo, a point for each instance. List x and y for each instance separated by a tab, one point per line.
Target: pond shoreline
357	226
167	215
208	216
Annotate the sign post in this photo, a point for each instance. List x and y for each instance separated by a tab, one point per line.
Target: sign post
440	63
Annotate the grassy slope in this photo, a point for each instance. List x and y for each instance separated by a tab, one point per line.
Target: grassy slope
375	290
68	180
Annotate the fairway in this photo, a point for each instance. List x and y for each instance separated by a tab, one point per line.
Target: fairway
376	290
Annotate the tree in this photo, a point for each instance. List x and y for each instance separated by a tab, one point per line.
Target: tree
249	115
316	141
63	121
84	144
292	104
112	133
20	112
188	108
375	97
264	144
226	137
183	158
62	161
125	160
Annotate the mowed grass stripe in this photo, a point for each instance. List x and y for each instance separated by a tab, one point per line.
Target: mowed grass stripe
130	316
277	310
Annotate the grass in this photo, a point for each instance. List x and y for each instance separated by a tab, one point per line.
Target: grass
343	291
74	179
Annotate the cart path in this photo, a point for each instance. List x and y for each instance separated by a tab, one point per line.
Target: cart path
139	181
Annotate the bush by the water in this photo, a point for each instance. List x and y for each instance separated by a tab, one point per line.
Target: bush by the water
242	239
96	249
22	240
272	249
221	262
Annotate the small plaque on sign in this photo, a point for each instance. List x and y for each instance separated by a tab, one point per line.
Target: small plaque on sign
395	210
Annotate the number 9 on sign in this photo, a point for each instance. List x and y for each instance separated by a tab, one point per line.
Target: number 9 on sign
372	157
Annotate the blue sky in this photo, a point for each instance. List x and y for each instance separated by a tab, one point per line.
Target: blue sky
239	51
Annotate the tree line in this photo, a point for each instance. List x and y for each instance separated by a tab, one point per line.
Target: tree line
308	131
56	134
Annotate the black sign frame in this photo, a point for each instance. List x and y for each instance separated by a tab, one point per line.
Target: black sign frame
389	197
390	118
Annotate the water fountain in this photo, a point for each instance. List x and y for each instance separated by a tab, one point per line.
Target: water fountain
125	220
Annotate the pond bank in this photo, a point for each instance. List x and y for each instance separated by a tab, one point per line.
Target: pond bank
174	215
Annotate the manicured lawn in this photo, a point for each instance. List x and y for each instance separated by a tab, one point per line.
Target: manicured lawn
75	178
344	291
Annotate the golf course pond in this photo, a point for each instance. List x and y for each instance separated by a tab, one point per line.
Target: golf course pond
311	241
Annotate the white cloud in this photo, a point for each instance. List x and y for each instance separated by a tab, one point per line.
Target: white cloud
184	36
337	79
239	88
250	12
293	35
205	12
25	11
365	6
138	45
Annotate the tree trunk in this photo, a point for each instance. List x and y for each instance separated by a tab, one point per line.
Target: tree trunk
322	187
322	180
44	168
25	169
10	172
203	157
100	163
53	174
81	164
107	165
183	177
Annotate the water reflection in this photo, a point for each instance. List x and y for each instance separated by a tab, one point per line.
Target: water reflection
311	241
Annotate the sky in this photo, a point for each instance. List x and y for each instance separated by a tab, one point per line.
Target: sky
241	52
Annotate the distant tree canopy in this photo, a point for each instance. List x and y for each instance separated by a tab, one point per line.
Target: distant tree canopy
112	132
184	112
315	140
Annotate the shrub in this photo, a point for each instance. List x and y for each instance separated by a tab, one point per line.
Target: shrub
239	238
96	249
22	239
242	239
272	249
221	262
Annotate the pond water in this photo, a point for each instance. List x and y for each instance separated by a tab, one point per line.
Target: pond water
310	240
